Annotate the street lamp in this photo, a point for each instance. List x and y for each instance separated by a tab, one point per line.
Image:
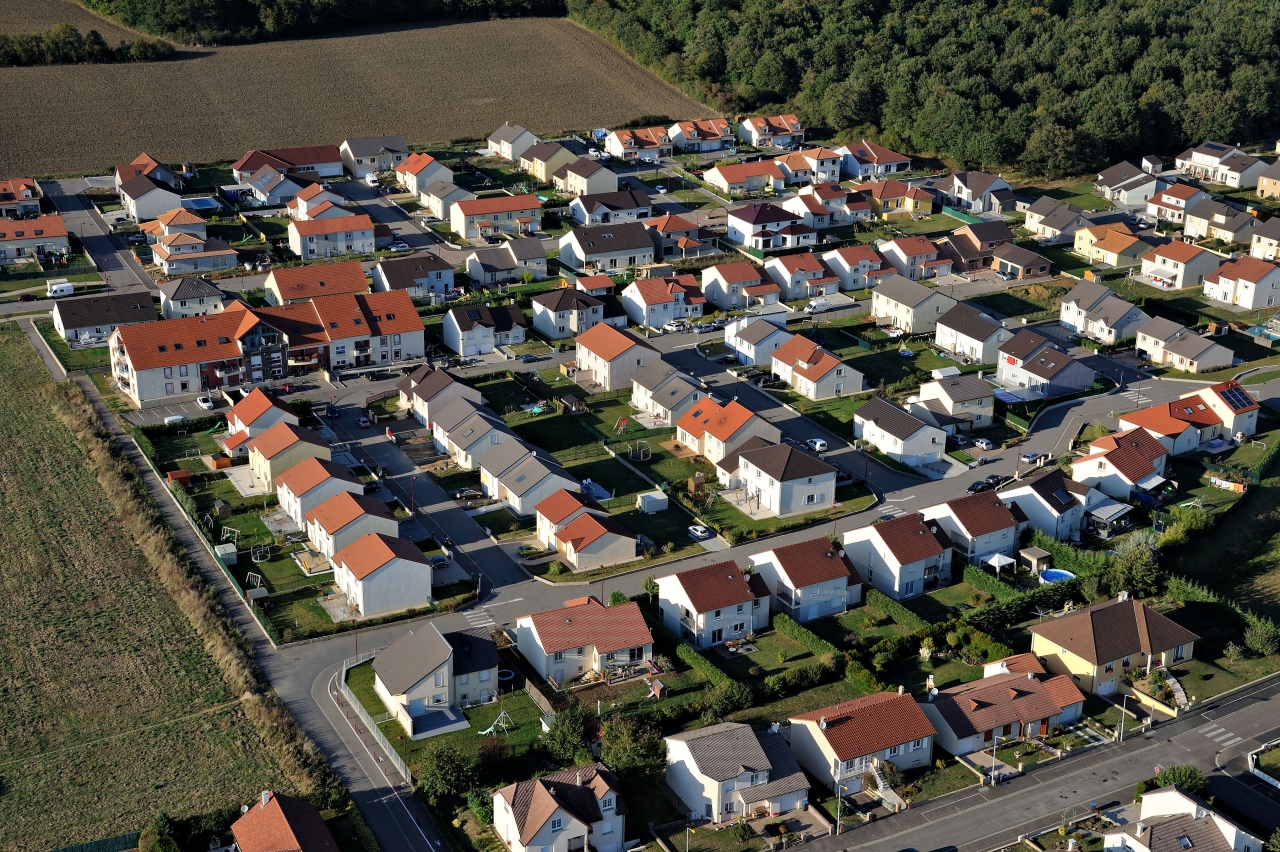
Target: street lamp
995	740
688	829
840	790
1124	699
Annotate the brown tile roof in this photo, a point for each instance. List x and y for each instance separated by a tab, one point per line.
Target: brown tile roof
705	128
533	802
1178	251
910	539
1020	664
737	272
741	172
786	464
608	342
255	405
717	586
281	437
1162	420
302	156
323	279
179	216
1023	345
817	560
776	124
1115	629
341	509
993	702
315	227
870	724
890	418
371	551
305	475
587	528
283	824
367	314
1133	453
564	503
983	513
586	621
26	229
499	204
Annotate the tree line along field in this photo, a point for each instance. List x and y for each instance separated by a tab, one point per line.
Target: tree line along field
26	16
431	84
112	710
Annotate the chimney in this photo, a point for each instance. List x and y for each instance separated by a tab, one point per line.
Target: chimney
1031	676
1123	596
1142	826
901	689
266	797
579	777
822	722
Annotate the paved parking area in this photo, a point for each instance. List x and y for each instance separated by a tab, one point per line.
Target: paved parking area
184	409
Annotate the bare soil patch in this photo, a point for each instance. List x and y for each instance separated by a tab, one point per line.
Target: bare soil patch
29	16
431	84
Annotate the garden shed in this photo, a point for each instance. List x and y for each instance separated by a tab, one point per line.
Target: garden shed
1035	559
651	502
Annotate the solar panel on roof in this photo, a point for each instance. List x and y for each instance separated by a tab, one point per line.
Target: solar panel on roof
1061	496
1237	398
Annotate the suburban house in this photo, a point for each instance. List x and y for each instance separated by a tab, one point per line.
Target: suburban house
614	247
741	178
967	331
562	812
439	197
269	187
315	238
841	205
544	159
914	308
91	319
708	605
1000	708
899	435
1030	361
780	479
812	371
1181	426
1111	245
425	676
1017	263
664	393
869	160
1053	221
1054	503
857	267
809	579
916	258
647	143
584	176
447	418
593	541
1265	240
1214	162
381	574
1176	265
345	517
1195	353
278	823
418	171
1170	204
1169	819
1154	334
1094	311
569	311
613	356
615	206
975	191
477	330
584	637
502	461
302	488
1094	646
728	771
754	339
176	221
812	165
419	275
1247	282
974	246
1128	186
810	208
979	526
773	131
1124	465
143	164
469	441
516	259
713	431
497	214
1220	410
671	233
902	557
654	302
956	404
766	227
1269	182
700	135
510	141
313	201
312	161
143	197
428	391
251	417
840	744
736	285
1219	220
893	199
802	276
525	484
292	285
561	508
279	448
190	297
181	254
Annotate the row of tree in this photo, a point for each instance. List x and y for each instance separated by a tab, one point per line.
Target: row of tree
62	44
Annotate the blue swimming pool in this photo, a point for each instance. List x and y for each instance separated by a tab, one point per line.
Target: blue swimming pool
206	204
1263	331
1055	575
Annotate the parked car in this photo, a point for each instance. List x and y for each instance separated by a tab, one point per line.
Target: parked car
960	440
137	239
531	358
977	487
363	422
720	323
439	561
467	494
817	306
674	327
1032	458
995	480
288	387
371	179
399	245
27	297
727	359
817	445
983	444
704	327
205	403
699	533
527	550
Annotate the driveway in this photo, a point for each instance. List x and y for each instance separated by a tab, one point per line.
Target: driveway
118	266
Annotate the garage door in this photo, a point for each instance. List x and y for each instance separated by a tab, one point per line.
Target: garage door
1107	688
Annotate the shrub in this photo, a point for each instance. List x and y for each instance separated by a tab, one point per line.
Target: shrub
878	600
1138	790
1233	652
1000	615
980	579
702	665
862	679
728	698
1189	778
1262	639
743	832
481	804
803	636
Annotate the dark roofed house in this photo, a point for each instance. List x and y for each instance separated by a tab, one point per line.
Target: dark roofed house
513	260
749	772
420	275
425	675
92	318
968	331
899	435
478	329
1018	263
192	296
567	806
1172	820
713	604
810	579
626	205
783	480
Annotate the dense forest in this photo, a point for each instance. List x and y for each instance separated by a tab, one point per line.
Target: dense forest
1057	87
63	44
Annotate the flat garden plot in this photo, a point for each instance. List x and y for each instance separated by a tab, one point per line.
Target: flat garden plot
776	654
865	623
611	475
102	674
942	604
72	359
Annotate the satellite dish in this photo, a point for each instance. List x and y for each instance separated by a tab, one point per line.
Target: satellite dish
244	809
933	692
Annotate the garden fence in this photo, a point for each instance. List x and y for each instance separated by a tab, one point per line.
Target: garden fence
371	727
55	272
961	215
119	843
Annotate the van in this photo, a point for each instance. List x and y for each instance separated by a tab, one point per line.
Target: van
174	418
59	287
817	306
371	179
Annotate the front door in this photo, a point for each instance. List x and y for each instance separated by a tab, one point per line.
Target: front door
717	636
558	674
1044	727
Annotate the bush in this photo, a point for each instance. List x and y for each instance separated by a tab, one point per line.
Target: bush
1000	615
1082	563
481	804
803	636
743	832
1189	778
1138	790
862	679
728	698
980	579
1262	639
702	665
878	600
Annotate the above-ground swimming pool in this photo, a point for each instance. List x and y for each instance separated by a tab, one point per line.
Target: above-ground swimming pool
205	203
1055	575
1264	332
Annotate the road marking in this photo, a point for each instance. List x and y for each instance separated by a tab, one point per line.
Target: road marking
1217	730
500	603
1203	728
1221	737
1232	742
900	499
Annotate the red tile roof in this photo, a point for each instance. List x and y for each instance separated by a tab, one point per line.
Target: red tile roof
367	314
1132	453
853	255
1020	664
372	551
283	824
910	539
705	128
870	724
179	216
1160	419
586	621
741	172
564	503
30	229
647	137
721	422
337	224
608	342
499	204
305	475
737	272
281	437
713	587
415	163
309	155
587	528
817	560
253	406
993	702
341	509
1178	251
321	279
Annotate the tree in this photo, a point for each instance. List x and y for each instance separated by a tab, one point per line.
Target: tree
1273	843
651	587
1136	570
567	737
1189	778
628	746
1262	639
481	804
617	598
446	771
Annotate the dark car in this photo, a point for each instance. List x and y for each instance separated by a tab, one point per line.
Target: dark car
530	359
27	297
995	480
977	487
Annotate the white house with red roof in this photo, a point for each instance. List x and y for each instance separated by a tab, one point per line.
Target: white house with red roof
1247	282
842	743
713	431
290	285
802	276
345	517
903	556
869	160
741	178
674	235
1187	423
1171	204
737	285
176	221
278	823
810	579
144	164
714	603
252	416
812	371
842	205
24	240
654	302
498	214
331	236
183	254
584	636
1176	265
561	509
979	526
592	541
857	267
316	202
311	161
613	355
309	483
701	135
772	131
275	451
916	258
811	210
420	170
1123	465
767	227
20	197
381	574
650	143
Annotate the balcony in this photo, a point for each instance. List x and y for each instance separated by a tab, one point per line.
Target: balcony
304	362
223	372
689	621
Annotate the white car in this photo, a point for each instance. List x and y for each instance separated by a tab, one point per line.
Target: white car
817	445
205	403
371	179
699	533
399	245
983	444
673	327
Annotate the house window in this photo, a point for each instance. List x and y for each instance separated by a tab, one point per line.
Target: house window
909	588
439	680
606	827
1110	668
557	824
728	807
462	679
755	604
559	656
740	608
917	744
1179	652
1124	664
168	372
810	499
894	750
182	371
484	676
607	804
437	699
168	387
717	615
185	387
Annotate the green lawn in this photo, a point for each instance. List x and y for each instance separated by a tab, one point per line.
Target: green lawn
273	227
665	528
835	415
771	644
281	573
360	680
784	708
183	446
938	782
864	623
505	396
913	673
72	359
532	346
1102	712
611	475
645	805
235	233
707	839
606	417
556	433
503	524
664	466
1021	753
1033	298
887	366
1081	195
1269	762
945	603
725	516
1261	377
1211	672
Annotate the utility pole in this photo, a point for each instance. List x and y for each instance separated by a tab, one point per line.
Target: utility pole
1124	700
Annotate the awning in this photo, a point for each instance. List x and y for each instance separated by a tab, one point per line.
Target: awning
1109	511
999	560
1147	483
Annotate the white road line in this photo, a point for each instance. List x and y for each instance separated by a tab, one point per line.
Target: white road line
500	603
1216	730
1207	727
1221	737
1232	742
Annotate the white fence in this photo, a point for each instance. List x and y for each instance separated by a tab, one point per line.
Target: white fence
370	726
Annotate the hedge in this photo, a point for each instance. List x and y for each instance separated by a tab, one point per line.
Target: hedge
878	600
812	642
1186	591
702	665
1000	615
186	424
799	679
979	579
1082	563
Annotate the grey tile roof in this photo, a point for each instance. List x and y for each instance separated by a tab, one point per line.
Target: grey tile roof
785	463
1119	173
508	132
473	651
443	189
616	236
541	152
890	418
963	388
532	470
526	248
411	658
1190	346
197	287
106	310
139	186
785	774
1018	255
725	751
369	146
1160	328
567	299
975	182
455	412
731	460
902	290
1023	344
507	454
758	331
500	319
969	321
402	273
1110	310
653	374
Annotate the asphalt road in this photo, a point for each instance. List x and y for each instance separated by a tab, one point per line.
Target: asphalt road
118	266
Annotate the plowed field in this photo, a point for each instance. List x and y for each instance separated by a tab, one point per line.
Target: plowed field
431	84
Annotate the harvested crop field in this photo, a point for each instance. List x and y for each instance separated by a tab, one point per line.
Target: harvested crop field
27	16
431	84
112	709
